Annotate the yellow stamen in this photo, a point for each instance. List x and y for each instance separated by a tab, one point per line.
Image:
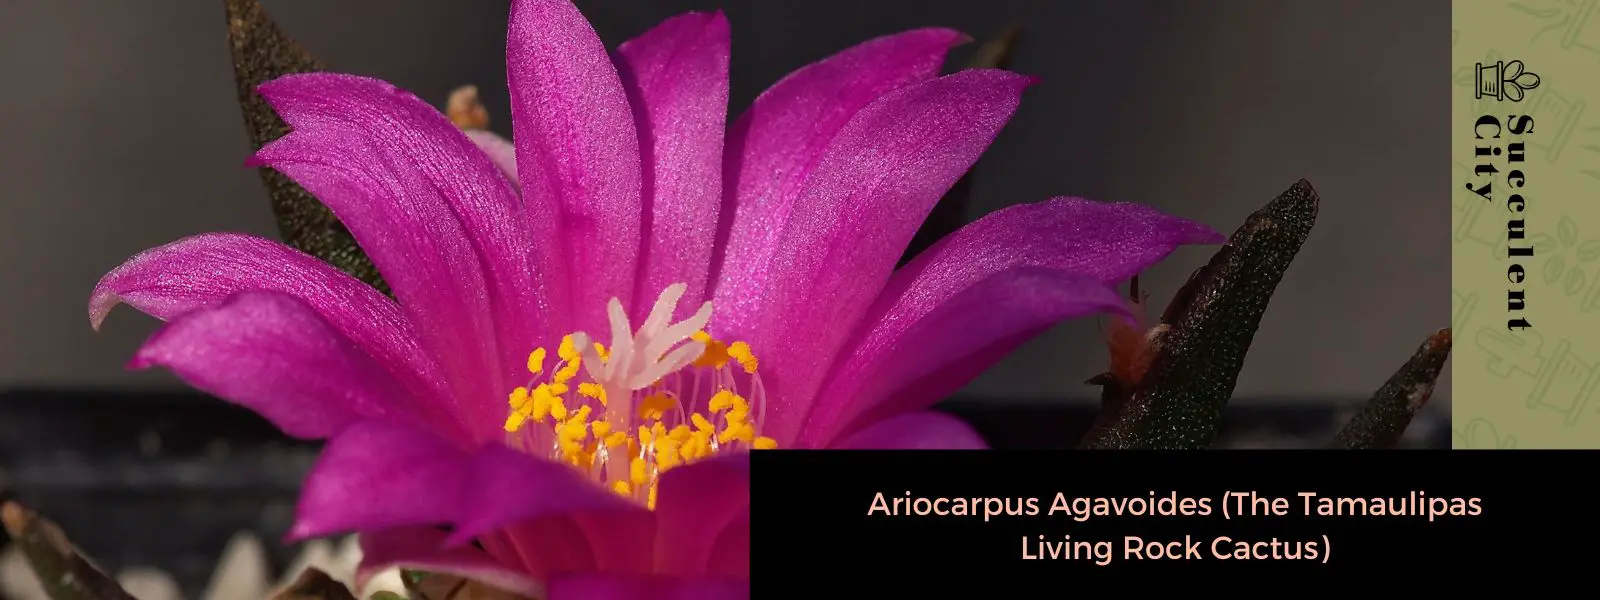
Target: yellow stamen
567	372
593	390
536	361
628	421
741	352
739	412
542	401
716	355
568	350
617	439
700	422
514	422
720	402
639	471
519	398
655	406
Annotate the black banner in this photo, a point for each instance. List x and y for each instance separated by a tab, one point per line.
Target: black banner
920	523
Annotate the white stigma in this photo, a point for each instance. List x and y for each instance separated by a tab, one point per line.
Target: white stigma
637	359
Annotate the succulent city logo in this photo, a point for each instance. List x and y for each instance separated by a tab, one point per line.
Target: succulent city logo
1505	81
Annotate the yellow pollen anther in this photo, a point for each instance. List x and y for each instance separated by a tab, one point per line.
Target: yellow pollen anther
615	440
655	406
567	350
622	487
593	390
716	355
515	421
666	454
638	471
542	401
519	398
558	408
736	432
568	371
600	429
741	352
536	361
740	410
765	443
659	430
600	349
722	401
698	446
700	422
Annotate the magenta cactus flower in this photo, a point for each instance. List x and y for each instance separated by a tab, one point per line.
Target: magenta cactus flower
593	322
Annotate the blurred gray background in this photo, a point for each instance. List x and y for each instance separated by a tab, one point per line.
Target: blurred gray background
119	131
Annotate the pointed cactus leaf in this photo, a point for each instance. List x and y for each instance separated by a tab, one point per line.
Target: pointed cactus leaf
1206	332
63	571
1384	418
998	52
261	53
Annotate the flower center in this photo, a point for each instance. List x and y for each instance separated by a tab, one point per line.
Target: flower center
662	396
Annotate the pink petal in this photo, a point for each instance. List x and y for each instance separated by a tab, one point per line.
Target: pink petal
551	544
730	554
694	505
1101	241
950	341
622	541
609	586
1110	241
499	150
379	475
915	431
274	354
774	146
509	487
201	271
677	80
860	208
423	549
440	221
577	156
